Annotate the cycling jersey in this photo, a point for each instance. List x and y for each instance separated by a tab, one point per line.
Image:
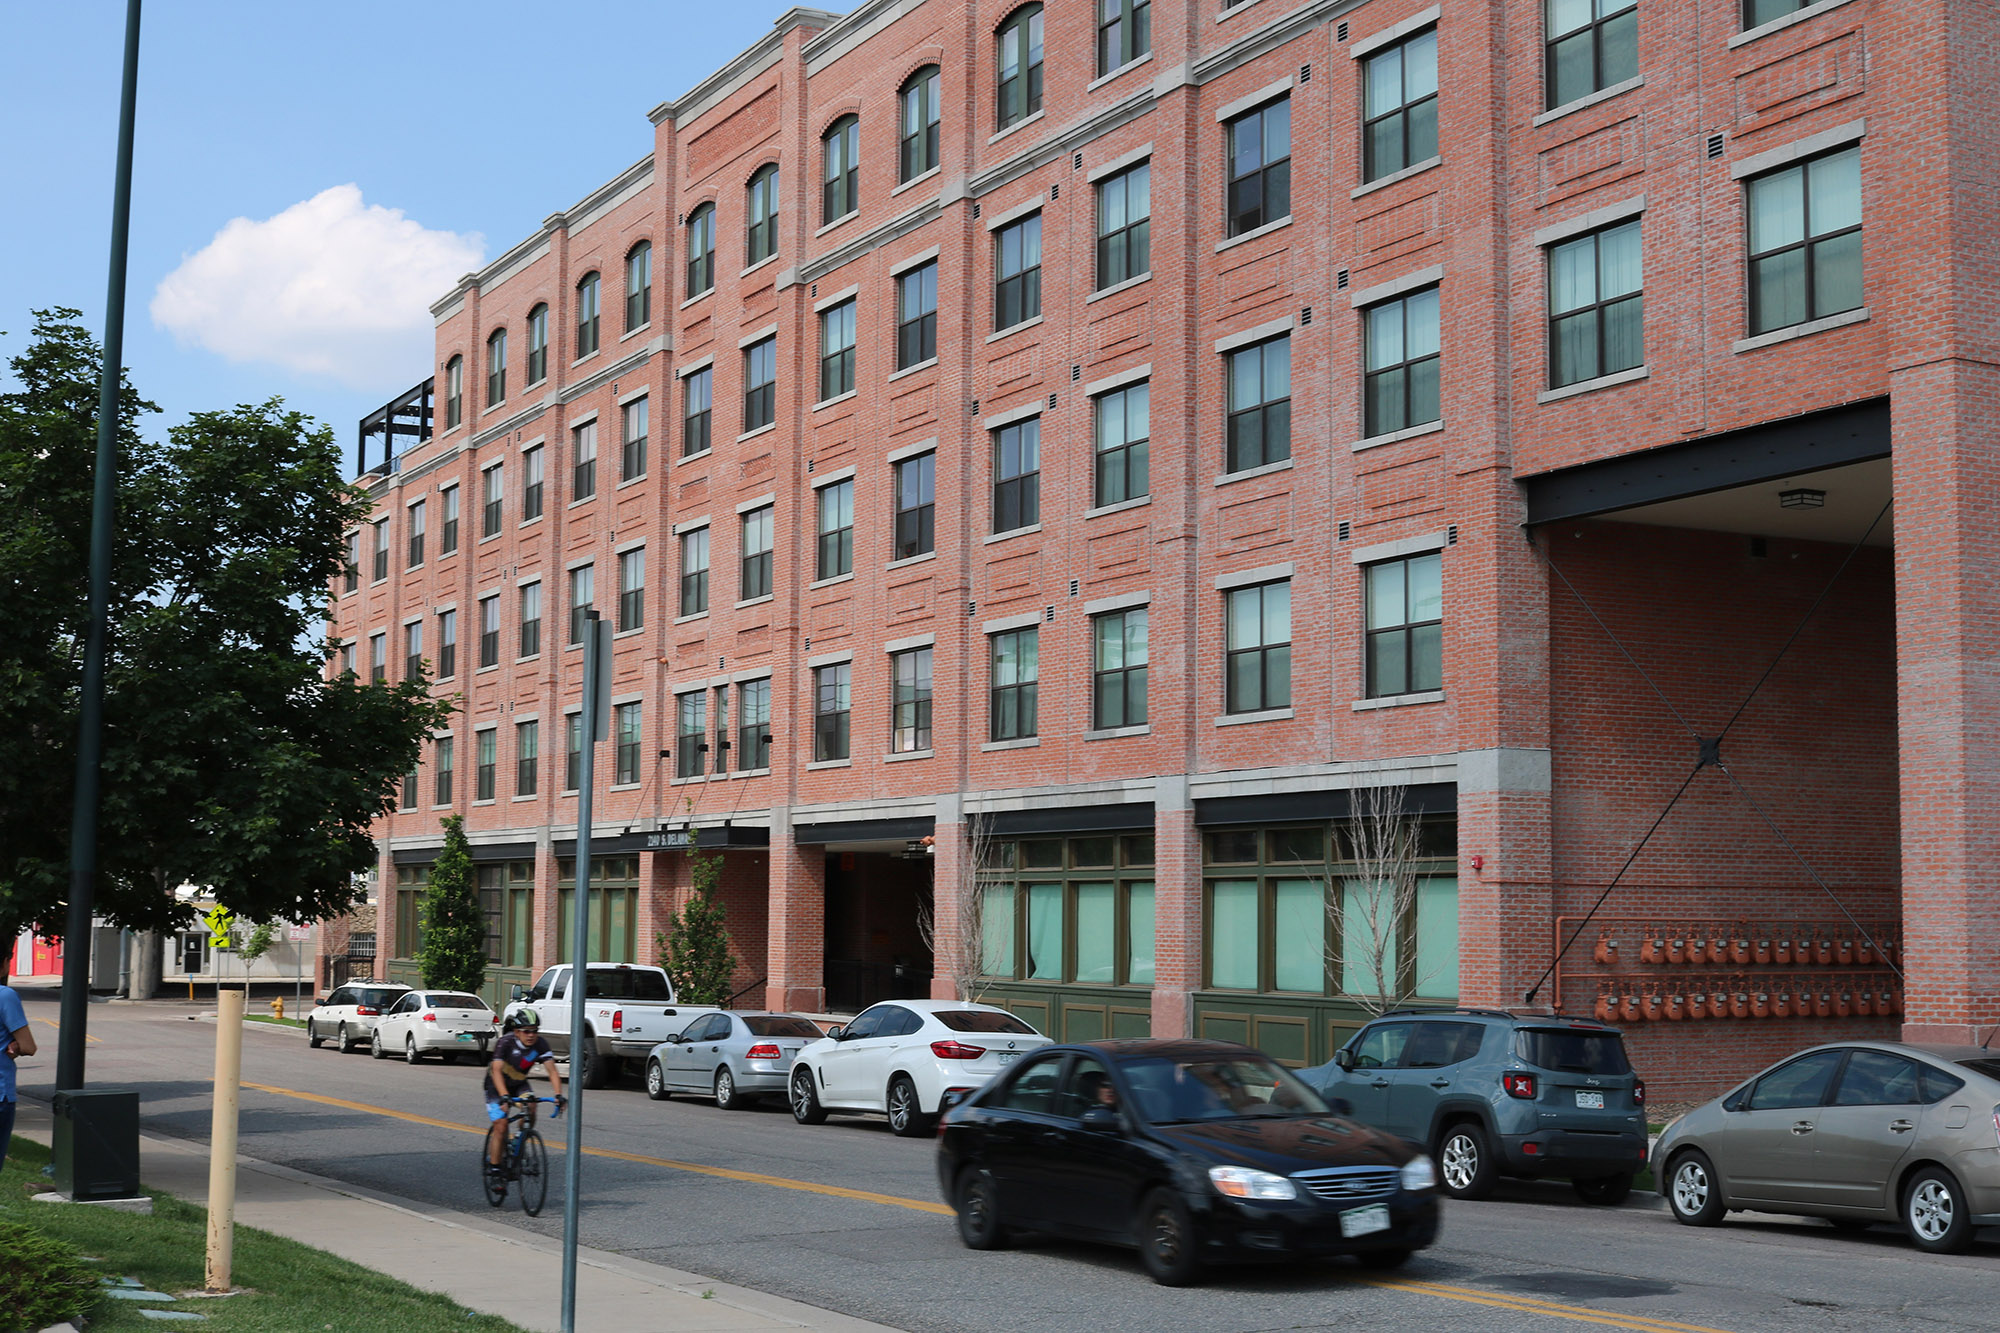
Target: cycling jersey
517	1058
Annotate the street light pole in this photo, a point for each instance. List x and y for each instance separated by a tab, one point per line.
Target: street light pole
90	725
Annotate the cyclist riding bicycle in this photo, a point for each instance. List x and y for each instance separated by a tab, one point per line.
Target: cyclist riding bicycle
515	1056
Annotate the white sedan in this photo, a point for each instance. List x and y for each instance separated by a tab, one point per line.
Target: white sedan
424	1022
900	1058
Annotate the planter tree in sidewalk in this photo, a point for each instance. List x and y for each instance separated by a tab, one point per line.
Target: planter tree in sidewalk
1371	915
694	948
958	936
453	954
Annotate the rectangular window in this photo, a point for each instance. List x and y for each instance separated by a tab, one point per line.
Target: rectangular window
485	763
760	239
836	530
572	751
753	735
1017	272
756	561
1258	659
1015	673
841	147
527	757
701	251
1124	32
910	717
691	738
531	619
1260	167
496	368
1121	426
583	452
916	316
916	505
760	384
626	732
1260	404
381	549
414	525
346	659
922	103
1125	226
531	484
582	595
489	631
411	786
351	575
448	534
836	351
507	897
1020	82
1596	320
1805	241
1118	669
632	457
632	590
694	572
639	287
538	345
378	659
454	392
1399	106
832	700
447	665
1405	622
413	650
611	913
1402	363
442	771
1095	931
490	482
1592	44
587	295
1017	475
695	394
1756	13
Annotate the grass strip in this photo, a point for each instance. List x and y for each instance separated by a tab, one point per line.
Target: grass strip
275	1021
288	1287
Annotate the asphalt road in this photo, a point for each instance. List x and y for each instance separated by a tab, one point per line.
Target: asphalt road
848	1217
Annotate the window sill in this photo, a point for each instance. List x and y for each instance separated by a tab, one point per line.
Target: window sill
1407	433
1118	508
1400	700
682	782
911	560
1261	715
1779	24
699	615
626	786
916	180
531	657
751	773
376	583
837	398
1583	103
579	361
756	601
767	259
1114	733
573	647
753	434
524	523
1013	329
1415	169
489	537
493	407
583	501
992	537
1015	128
848	577
480	671
1231	11
1611	381
1125	68
698	296
633	333
907	755
1282	465
689	458
529	797
818	764
628	633
848	216
911	370
1804	330
629	481
1024	743
488	801
1254	233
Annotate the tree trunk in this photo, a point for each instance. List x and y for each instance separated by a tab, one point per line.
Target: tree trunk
143	965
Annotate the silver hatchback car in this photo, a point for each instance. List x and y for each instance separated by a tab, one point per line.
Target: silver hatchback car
1858	1133
733	1056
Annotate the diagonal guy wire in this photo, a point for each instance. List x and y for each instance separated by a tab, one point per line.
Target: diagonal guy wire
1616	642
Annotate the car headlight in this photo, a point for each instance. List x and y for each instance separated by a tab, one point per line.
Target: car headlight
1419	1174
1240	1182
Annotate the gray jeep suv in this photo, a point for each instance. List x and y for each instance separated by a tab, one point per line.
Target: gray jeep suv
1493	1093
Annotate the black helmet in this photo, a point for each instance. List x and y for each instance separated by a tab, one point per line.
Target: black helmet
521	1018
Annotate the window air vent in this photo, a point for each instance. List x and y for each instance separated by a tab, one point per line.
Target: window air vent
975	212
680	219
1306	73
1340	33
975	408
1078	164
1055	192
806	645
1715	142
1074	586
1052	402
1049	615
1340	281
1075	371
1343	529
1451	535
971	610
815	293
811	463
1305	316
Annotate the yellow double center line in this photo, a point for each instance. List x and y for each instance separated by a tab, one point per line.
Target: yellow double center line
1444	1291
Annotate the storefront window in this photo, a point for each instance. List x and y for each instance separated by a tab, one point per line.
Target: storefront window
1092	931
507	895
411	881
612	912
1045	932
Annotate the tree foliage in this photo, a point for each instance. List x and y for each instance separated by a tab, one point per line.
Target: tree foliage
453	954
694	949
229	759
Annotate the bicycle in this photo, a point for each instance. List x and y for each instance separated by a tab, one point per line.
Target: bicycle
523	1159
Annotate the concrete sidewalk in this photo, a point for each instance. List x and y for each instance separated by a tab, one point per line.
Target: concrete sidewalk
463	1256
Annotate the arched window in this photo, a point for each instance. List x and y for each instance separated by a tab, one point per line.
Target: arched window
762	240
1020	65
842	150
920	123
701	250
454	391
587	293
639	286
496	367
538	344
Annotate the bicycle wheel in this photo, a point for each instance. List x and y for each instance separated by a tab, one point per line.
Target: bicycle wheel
493	1182
533	1165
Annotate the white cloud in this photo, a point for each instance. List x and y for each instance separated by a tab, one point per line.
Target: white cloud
331	286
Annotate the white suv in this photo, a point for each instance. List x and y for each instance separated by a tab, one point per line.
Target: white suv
347	1017
900	1058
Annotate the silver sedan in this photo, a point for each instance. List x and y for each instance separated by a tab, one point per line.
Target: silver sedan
1858	1133
733	1056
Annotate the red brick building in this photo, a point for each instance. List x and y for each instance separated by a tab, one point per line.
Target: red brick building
1137	433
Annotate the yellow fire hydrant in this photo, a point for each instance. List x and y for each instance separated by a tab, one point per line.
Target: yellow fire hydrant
278	1008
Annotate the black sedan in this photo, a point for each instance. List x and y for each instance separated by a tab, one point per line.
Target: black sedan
1194	1152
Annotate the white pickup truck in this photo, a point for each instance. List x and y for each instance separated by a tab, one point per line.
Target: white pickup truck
628	1009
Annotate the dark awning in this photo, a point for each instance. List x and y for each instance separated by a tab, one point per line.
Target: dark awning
1429	798
863	830
1075	818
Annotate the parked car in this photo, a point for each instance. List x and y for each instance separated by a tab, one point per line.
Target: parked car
629	1008
1493	1093
451	1023
899	1059
1194	1152
348	1015
1857	1133
733	1056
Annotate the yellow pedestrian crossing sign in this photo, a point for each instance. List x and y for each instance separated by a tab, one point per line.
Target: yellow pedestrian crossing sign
218	918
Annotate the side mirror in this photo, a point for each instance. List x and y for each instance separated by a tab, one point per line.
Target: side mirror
515	993
1101	1120
1340	1106
1344	1058
838	1031
321	1001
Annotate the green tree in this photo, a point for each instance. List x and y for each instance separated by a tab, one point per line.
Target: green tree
694	949
453	952
258	942
230	759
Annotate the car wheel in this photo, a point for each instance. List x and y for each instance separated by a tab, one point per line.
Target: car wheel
375	1050
595	1070
410	1055
805	1100
1465	1161
1379	1260
726	1098
1602	1189
313	1039
1934	1211
906	1112
656	1081
1694	1195
979	1222
346	1042
1166	1240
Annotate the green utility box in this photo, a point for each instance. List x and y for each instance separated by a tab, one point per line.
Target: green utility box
96	1143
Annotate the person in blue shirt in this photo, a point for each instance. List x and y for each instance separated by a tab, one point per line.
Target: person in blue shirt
515	1056
20	1041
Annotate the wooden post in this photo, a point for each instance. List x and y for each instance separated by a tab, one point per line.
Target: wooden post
222	1134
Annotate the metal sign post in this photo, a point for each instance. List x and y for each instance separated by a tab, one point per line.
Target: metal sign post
594	722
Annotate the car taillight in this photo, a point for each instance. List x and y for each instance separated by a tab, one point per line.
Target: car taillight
956	1050
618	1020
1638	1092
365	1012
496	1018
430	1018
763	1051
1519	1085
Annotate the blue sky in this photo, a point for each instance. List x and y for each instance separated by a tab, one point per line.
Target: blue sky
458	126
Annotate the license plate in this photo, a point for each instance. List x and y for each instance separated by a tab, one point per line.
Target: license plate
1364	1221
1590	1101
468	1036
1007	1057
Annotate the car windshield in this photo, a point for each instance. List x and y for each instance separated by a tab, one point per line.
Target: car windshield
1217	1088
454	1000
377	997
982	1020
622	983
776	1025
1570	1051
